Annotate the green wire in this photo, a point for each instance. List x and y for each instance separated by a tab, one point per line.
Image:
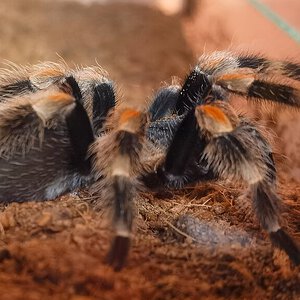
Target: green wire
276	19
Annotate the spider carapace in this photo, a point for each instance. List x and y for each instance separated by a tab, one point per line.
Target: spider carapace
60	130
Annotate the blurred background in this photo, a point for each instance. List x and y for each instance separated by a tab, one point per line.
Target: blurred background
143	43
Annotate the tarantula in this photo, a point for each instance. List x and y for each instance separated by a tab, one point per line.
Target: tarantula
60	129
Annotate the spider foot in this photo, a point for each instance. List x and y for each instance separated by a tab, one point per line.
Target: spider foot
118	252
283	241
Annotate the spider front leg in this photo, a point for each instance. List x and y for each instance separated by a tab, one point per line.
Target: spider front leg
233	149
117	163
237	151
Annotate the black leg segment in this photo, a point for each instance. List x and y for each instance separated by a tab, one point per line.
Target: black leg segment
194	91
103	100
80	130
164	103
283	241
15	89
183	163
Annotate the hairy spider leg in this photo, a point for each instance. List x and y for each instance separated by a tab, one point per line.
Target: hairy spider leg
171	104
177	132
104	99
129	140
164	103
179	100
253	77
80	130
21	81
237	151
182	153
252	87
97	91
14	89
194	91
117	164
225	61
265	203
263	65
